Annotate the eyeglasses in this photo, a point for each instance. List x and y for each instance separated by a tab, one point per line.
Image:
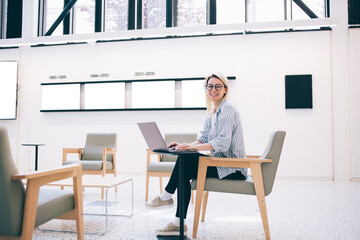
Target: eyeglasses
218	87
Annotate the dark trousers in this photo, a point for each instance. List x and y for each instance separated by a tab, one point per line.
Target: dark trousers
191	164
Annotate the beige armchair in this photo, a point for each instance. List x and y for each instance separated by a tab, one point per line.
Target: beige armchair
165	163
23	210
98	157
260	184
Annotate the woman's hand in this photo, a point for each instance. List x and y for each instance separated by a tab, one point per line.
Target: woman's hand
185	146
173	145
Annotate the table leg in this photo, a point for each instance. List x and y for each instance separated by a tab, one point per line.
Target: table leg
181	196
36	157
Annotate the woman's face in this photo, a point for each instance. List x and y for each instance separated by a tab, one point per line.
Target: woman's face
215	94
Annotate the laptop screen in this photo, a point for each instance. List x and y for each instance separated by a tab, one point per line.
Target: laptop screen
152	135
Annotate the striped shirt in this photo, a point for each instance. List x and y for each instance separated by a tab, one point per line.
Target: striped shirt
223	130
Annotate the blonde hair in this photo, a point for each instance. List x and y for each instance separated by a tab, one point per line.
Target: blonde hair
209	104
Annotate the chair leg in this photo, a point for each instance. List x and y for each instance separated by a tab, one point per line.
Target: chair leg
260	194
160	179
31	198
77	182
147	187
205	200
192	196
199	194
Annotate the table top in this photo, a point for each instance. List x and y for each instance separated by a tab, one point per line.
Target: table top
93	181
33	144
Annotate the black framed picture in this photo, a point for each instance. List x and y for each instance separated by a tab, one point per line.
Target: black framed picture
298	91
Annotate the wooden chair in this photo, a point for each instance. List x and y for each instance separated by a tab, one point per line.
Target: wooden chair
263	171
165	163
23	210
98	157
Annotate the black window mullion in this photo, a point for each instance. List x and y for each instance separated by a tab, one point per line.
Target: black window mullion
305	8
2	14
139	14
61	17
353	12
131	15
169	13
66	21
99	15
327	8
175	13
14	19
211	12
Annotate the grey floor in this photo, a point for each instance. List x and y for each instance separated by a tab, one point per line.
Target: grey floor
296	210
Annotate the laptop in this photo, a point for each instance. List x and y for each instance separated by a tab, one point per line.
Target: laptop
155	140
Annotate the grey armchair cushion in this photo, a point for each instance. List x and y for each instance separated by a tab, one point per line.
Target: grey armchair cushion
52	204
180	138
228	186
95	143
161	166
91	164
12	193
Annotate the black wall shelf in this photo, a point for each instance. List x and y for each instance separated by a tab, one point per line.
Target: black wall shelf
121	109
132	80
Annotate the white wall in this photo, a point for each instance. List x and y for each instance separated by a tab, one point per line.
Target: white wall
259	62
354	49
320	143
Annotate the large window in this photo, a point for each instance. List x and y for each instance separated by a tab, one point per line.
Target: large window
230	11
316	6
265	10
154	12
116	15
191	13
53	10
88	16
85	16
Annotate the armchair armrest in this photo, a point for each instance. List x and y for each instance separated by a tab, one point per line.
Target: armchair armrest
46	176
110	150
151	153
71	150
107	151
253	156
231	162
35	180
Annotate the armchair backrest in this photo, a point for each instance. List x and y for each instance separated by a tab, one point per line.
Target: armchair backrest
95	143
12	193
272	151
180	138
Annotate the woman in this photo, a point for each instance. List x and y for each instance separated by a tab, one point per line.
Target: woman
222	135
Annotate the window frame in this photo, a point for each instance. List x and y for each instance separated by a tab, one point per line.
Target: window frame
135	11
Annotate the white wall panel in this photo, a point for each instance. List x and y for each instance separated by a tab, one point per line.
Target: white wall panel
354	50
259	62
